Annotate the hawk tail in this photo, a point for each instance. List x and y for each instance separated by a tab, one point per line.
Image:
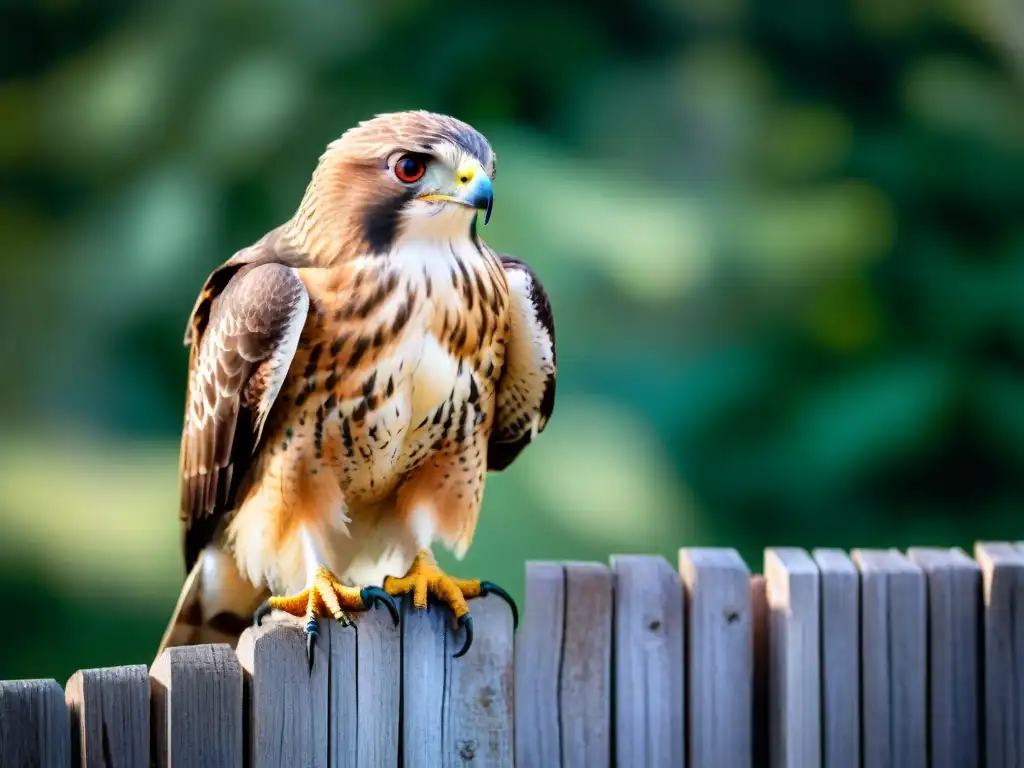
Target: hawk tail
215	605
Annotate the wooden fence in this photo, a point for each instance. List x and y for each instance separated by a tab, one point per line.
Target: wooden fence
882	659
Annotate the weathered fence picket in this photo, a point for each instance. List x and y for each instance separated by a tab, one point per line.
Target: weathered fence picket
197	707
829	658
110	716
840	659
34	724
650	671
894	653
794	704
954	602
720	657
1002	568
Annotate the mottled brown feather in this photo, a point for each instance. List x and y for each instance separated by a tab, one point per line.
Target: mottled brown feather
235	360
526	389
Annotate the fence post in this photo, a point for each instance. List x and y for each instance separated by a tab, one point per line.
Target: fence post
34	724
537	667
795	669
286	701
954	596
196	703
1002	567
585	679
649	673
894	652
110	716
719	657
840	659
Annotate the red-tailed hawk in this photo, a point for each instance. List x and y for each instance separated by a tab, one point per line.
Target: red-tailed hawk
352	377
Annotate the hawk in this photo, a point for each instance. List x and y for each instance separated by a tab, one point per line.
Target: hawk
352	377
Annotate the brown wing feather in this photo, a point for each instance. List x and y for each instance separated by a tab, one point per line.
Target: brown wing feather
526	390
242	347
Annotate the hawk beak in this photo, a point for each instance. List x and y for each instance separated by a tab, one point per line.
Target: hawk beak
476	191
472	189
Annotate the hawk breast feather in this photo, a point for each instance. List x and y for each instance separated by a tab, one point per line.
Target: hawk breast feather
239	359
526	390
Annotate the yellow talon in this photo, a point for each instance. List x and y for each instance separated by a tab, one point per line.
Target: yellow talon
426	578
326	596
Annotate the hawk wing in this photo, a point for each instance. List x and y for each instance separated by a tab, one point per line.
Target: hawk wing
526	390
243	333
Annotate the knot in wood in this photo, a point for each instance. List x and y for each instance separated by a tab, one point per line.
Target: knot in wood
467	749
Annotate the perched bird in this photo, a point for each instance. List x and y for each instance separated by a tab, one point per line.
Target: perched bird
352	377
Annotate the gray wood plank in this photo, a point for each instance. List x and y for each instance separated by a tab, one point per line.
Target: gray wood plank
110	716
794	682
954	651
425	659
1002	568
760	630
585	676
196	703
538	652
479	706
649	673
840	659
342	709
894	652
34	724
286	701
378	670
719	656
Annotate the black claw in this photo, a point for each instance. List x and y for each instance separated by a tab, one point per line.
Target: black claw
489	587
466	620
312	632
372	595
261	613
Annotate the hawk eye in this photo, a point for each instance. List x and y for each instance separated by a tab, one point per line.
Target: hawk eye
409	168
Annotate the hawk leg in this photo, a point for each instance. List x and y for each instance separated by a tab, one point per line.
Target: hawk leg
425	579
326	596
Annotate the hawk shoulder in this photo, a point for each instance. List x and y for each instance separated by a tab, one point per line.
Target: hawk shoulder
243	334
526	389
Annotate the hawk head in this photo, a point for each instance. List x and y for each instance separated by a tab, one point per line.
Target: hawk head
399	175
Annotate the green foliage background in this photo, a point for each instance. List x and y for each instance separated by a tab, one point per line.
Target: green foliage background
782	239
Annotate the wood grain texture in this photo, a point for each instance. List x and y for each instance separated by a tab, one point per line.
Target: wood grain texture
840	659
34	724
479	704
378	678
538	662
1002	568
585	679
719	656
286	701
196	704
894	651
795	668
457	712
425	658
342	696
649	672
110	716
954	648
